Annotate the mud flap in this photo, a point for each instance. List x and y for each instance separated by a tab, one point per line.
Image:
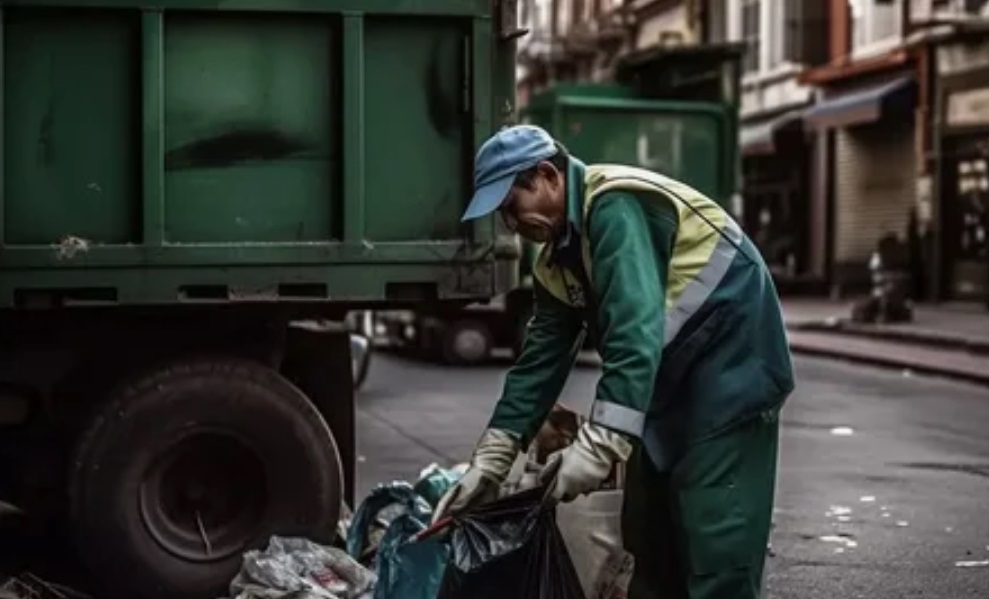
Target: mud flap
318	362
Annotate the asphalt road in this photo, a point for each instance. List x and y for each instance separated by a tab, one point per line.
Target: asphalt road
884	476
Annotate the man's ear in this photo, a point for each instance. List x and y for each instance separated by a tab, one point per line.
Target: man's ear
552	174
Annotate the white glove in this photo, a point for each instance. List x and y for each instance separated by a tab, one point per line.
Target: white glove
582	467
490	464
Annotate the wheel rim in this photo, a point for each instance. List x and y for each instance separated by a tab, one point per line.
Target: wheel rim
470	344
204	498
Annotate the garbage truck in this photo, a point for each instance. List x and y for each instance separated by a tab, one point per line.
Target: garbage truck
193	196
674	110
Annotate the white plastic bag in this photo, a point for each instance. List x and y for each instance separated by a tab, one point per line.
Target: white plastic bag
591	528
301	569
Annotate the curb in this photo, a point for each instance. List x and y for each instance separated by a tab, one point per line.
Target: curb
922	339
960	366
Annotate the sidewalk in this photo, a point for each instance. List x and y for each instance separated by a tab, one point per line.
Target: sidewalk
960	326
950	340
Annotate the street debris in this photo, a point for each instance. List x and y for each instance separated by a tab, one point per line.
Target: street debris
387	548
845	540
30	586
591	527
381	536
343	526
70	245
510	547
842	431
973	564
300	569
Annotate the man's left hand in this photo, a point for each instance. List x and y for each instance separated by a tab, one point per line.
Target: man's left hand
584	465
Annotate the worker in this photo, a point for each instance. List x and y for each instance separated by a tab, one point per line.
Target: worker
695	365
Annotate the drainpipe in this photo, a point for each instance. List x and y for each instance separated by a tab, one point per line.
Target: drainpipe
630	26
906	22
553	40
937	276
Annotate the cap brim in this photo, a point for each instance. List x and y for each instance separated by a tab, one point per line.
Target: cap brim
488	198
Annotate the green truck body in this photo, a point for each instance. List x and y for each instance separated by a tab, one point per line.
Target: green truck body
193	196
185	151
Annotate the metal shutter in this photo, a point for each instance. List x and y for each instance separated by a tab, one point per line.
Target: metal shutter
875	186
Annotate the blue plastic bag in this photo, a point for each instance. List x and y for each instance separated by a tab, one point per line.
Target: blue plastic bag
409	569
434	482
406	569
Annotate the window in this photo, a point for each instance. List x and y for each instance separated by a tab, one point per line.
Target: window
773	33
876	25
778	34
543	17
750	35
717	22
563	20
806	32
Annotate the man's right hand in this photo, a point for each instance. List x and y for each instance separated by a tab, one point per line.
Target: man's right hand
489	467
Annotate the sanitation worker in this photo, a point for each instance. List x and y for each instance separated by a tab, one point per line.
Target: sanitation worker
695	362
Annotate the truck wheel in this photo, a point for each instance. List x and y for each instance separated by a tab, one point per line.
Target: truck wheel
466	342
186	469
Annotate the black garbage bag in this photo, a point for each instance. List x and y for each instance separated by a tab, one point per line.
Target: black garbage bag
510	548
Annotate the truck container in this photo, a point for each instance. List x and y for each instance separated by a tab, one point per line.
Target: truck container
670	110
674	110
193	195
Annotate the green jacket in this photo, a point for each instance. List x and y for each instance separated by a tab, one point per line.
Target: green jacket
679	301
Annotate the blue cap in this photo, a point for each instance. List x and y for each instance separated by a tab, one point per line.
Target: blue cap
504	155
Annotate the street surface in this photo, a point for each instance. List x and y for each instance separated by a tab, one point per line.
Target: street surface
884	476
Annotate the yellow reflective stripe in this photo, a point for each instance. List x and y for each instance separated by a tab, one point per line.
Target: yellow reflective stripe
704	249
705	245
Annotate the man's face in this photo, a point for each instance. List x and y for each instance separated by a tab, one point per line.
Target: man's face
537	210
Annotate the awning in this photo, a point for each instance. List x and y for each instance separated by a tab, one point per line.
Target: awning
766	138
865	105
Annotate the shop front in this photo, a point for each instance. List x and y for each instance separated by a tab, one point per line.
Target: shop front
776	159
963	170
871	128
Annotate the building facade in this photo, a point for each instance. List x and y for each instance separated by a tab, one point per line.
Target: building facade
571	40
868	122
781	211
865	124
899	117
955	36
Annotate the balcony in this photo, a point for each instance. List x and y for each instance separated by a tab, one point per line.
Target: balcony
929	13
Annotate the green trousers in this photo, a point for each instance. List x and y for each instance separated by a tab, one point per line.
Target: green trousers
700	531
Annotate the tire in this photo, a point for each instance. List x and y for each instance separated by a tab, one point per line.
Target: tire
467	343
224	446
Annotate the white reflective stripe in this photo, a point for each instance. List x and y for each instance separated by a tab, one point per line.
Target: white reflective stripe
707	280
618	417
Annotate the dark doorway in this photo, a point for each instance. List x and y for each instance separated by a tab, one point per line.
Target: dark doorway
965	204
776	213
